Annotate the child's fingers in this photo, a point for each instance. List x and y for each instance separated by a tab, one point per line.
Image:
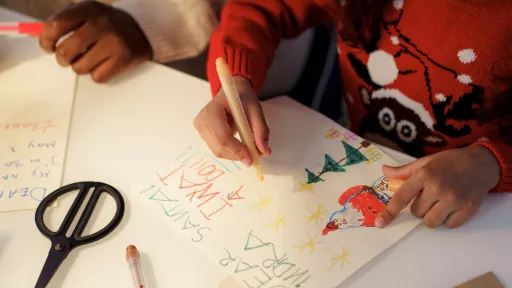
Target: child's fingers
70	49
457	218
422	204
106	69
438	214
224	146
228	147
405	171
213	126
93	59
399	201
64	22
259	128
53	31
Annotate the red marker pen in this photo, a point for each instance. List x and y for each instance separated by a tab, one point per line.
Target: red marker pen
133	258
21	28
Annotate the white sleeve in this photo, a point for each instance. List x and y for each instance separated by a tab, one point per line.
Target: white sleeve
176	29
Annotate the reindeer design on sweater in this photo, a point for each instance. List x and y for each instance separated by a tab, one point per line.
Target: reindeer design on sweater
388	96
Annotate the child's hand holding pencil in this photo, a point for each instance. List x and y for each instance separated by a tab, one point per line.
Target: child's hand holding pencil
216	123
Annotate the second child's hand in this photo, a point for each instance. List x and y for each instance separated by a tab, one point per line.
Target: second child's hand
105	40
448	187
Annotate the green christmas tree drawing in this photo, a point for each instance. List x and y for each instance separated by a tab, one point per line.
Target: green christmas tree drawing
312	178
353	157
331	165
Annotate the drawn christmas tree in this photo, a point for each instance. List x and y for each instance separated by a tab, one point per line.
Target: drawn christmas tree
353	157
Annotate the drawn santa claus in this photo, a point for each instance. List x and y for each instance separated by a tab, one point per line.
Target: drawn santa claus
360	206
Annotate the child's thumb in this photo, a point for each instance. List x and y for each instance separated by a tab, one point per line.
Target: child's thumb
259	128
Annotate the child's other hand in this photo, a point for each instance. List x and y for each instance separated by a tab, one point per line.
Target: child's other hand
216	126
105	40
449	186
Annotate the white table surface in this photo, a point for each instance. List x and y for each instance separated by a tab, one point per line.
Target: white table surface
119	132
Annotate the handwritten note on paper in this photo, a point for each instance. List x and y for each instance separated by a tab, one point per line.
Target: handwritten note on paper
309	224
35	111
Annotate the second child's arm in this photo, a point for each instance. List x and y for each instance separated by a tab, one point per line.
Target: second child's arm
176	29
250	31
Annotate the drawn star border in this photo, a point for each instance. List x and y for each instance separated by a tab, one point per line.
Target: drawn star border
315	215
280	220
308	244
342	258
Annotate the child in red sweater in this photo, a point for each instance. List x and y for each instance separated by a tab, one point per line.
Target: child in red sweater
425	78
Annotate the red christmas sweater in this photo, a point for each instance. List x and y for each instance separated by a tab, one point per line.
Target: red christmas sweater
418	89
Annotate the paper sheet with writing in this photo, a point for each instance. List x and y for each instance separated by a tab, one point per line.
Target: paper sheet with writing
36	99
309	224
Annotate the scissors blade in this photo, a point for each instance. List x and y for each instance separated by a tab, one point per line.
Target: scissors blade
53	262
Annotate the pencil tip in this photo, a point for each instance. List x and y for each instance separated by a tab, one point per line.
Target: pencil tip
260	175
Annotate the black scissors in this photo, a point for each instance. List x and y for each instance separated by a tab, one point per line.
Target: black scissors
62	244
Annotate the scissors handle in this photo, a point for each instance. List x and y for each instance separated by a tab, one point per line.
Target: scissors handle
75	238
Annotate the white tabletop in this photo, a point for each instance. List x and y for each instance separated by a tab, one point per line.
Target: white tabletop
119	132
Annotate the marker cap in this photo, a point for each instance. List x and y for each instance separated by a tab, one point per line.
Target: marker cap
30	28
132	253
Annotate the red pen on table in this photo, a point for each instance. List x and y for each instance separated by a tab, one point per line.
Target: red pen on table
133	258
21	28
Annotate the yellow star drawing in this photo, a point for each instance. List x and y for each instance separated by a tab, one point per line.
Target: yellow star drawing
265	200
279	221
315	215
340	257
305	244
306	187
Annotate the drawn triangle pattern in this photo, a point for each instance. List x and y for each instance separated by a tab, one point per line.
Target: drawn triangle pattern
312	178
354	156
332	165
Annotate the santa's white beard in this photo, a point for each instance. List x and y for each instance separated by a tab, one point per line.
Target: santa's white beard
349	218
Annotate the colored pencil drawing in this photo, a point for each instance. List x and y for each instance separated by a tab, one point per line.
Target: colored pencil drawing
233	166
373	155
353	157
280	220
345	136
264	202
268	234
340	257
360	206
310	243
162	199
305	187
315	215
275	264
349	136
196	175
332	134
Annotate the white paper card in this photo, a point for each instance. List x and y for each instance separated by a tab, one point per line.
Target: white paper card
309	224
36	98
